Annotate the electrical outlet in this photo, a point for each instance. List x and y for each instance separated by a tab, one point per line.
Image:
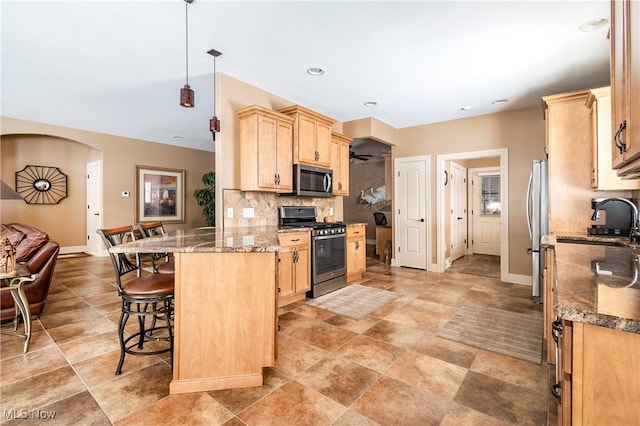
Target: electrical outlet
331	211
247	213
229	212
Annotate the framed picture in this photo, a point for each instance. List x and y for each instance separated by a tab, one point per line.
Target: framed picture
159	194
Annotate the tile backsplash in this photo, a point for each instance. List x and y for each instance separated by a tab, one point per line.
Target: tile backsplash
265	207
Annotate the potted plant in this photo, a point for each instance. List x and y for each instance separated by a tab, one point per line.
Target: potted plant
206	198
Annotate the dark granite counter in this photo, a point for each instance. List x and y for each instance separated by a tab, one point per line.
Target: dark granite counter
210	240
597	281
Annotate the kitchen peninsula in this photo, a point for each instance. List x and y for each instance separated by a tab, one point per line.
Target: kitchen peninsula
592	287
225	304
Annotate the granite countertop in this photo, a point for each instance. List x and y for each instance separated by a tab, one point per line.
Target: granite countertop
597	283
210	240
356	224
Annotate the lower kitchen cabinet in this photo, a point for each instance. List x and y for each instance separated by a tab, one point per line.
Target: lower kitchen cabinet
600	375
294	278
356	252
547	300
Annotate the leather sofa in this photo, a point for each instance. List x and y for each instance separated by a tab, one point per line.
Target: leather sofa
39	254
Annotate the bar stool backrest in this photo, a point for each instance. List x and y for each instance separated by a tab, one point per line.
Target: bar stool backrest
121	263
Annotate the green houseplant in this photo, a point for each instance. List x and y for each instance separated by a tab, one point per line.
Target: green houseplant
206	198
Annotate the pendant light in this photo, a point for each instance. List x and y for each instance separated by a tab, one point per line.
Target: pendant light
187	97
214	123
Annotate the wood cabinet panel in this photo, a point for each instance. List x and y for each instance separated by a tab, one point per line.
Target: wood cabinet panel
356	252
625	84
294	279
311	136
340	163
225	310
266	156
600	380
603	176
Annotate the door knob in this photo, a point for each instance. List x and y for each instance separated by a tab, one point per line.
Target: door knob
459	218
421	220
96	214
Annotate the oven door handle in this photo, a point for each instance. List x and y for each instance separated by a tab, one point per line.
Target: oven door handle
327	237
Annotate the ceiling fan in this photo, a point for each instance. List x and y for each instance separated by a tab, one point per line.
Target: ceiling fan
363	157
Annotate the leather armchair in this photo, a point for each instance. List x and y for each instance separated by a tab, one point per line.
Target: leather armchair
41	261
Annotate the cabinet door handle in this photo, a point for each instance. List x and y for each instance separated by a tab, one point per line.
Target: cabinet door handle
357	245
555	391
557	328
293	240
622	146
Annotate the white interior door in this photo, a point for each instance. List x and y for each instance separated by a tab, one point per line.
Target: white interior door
411	209
94	207
458	211
486	212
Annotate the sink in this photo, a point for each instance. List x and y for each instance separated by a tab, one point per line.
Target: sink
598	241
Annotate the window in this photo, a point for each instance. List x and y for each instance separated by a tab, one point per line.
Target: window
490	195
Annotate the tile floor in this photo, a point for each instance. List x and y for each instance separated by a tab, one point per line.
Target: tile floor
388	368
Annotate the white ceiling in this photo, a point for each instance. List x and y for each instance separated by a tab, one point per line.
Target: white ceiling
117	66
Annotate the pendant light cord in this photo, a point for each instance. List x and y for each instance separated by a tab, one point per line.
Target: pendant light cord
186	19
214	86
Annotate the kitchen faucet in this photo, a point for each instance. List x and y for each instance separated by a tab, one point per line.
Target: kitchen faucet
634	234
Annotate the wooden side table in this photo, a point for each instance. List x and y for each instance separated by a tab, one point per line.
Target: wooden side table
383	234
14	282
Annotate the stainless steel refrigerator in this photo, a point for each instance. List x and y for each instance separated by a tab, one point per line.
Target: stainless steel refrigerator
538	222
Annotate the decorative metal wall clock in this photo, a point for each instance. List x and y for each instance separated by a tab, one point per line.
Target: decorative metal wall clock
41	184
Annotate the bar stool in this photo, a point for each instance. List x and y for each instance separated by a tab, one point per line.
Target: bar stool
150	229
146	297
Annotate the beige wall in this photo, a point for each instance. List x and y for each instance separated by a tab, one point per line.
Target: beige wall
521	131
25	142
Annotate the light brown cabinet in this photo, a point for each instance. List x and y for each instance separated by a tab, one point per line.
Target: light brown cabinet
356	252
603	177
625	86
340	163
293	267
383	236
311	136
600	379
265	150
548	287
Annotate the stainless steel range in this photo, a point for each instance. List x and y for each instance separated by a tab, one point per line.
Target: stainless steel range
328	248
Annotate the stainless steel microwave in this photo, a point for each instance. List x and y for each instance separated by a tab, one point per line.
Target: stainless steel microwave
309	181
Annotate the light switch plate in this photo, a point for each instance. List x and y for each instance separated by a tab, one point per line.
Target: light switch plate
229	212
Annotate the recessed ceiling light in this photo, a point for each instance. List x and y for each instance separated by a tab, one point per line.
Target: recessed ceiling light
370	103
593	24
500	101
315	71
466	108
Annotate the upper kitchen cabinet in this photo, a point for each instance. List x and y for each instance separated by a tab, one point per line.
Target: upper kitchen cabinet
340	163
311	136
568	132
625	86
265	150
603	177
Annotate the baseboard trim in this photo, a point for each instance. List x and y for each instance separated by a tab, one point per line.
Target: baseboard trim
73	249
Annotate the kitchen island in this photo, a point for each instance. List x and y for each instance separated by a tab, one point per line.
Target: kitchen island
225	304
593	293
